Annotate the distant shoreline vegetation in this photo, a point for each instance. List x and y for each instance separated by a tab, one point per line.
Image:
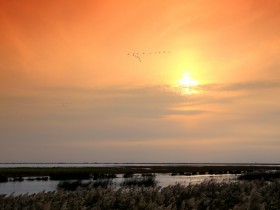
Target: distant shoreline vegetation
82	173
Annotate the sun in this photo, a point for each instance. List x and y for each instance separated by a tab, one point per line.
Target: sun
187	85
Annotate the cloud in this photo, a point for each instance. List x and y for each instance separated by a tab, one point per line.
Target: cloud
148	116
150	101
241	86
252	86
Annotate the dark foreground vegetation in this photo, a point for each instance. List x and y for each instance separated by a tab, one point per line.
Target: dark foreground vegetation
252	195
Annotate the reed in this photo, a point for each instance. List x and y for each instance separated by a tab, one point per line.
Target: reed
207	195
3	178
266	175
146	181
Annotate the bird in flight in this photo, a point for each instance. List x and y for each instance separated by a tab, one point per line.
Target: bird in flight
136	55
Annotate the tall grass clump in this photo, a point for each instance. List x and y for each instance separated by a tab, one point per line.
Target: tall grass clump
267	175
69	185
69	176
97	176
146	181
3	178
128	175
101	183
74	185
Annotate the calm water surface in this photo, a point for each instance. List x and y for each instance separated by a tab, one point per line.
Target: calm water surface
29	187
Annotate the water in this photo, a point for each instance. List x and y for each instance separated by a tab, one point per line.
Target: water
164	180
29	187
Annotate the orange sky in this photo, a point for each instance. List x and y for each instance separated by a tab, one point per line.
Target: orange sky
68	83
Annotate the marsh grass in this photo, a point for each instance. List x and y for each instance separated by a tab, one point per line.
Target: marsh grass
69	175
3	178
97	176
146	181
17	179
148	175
128	175
84	172
101	183
266	175
251	195
69	185
75	184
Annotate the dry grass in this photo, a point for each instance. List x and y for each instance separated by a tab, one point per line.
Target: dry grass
251	195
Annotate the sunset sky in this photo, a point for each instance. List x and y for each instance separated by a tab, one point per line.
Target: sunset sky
140	81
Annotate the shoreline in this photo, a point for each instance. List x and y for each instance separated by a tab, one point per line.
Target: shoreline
205	169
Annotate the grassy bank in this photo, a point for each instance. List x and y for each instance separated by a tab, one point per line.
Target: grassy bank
252	195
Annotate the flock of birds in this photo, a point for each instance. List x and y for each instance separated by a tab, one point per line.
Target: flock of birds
137	55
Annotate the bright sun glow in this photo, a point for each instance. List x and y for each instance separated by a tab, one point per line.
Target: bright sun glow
187	85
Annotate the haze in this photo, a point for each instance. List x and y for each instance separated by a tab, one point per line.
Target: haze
99	81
